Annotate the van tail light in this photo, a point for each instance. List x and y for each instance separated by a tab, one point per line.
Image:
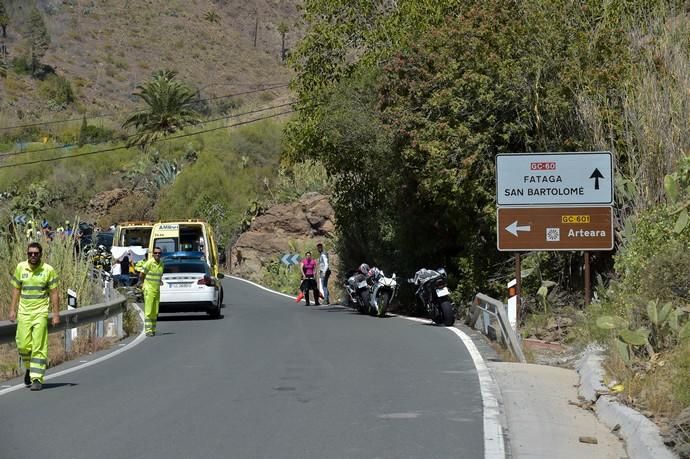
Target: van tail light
206	280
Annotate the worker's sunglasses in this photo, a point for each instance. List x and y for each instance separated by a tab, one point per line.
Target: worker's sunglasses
34	254
157	253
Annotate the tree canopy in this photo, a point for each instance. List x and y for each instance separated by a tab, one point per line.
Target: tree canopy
407	103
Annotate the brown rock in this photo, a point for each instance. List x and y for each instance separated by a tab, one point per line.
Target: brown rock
281	229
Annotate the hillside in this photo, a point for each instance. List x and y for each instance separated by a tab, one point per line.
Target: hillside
105	48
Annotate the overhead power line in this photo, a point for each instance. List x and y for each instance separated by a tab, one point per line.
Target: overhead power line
113	114
131	136
107	150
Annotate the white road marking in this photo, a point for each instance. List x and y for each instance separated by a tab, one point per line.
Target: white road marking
494	437
125	348
261	287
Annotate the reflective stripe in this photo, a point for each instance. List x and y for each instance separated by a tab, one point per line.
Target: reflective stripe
33	287
34	297
38	371
53	282
39	361
16	279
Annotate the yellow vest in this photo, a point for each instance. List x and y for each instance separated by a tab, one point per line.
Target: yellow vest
154	273
35	285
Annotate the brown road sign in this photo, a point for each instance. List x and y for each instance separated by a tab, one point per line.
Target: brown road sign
555	228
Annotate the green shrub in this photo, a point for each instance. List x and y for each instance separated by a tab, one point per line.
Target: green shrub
225	106
95	134
298	179
56	89
21	65
653	244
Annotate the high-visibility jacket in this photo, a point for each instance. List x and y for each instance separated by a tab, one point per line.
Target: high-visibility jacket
35	286
153	271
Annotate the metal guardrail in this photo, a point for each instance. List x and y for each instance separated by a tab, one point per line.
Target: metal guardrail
490	316
73	318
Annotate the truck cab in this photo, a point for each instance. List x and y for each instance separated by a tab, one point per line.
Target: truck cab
133	233
186	236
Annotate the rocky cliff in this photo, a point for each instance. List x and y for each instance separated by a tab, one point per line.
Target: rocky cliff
284	228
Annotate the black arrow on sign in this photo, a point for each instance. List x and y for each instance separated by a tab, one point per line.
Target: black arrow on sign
596	175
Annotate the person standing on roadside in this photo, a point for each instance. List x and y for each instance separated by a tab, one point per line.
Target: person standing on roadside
34	282
151	278
324	272
308	281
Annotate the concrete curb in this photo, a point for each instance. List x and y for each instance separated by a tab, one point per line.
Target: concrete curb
641	436
591	374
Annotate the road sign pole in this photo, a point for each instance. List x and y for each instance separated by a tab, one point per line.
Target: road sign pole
518	292
588	288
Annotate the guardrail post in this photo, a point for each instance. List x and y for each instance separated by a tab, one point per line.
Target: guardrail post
487	308
119	328
70	334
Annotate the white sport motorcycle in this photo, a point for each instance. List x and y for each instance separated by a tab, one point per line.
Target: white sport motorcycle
383	290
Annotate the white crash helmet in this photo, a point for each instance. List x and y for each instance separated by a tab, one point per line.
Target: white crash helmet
364	268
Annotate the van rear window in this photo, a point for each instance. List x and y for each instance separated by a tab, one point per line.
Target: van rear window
185	267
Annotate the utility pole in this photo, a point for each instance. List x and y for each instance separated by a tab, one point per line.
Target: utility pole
256	28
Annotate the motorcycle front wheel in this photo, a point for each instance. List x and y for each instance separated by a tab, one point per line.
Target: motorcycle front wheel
384	298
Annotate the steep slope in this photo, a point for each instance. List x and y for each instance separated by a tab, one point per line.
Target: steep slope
106	48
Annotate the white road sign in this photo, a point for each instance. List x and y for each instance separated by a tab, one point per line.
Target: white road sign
582	178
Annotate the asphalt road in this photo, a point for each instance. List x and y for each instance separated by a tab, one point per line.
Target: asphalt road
271	379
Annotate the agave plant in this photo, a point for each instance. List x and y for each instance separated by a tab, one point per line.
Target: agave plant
164	173
212	16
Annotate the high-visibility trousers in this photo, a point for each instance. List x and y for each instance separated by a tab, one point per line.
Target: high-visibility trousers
32	343
152	299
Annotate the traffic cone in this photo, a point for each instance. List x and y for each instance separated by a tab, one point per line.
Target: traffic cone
299	297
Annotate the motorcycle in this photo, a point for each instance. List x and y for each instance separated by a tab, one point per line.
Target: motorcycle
357	289
432	292
383	290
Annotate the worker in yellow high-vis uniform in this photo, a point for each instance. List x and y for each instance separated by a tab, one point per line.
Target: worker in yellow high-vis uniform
33	282
151	278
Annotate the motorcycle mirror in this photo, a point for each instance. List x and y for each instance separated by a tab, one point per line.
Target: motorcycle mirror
393	276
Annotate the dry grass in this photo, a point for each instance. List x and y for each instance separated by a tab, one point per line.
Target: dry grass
655	109
9	360
657	387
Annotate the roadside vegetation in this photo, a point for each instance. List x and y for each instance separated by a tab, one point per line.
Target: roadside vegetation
407	107
74	272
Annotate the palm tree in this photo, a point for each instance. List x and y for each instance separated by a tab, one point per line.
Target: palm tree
169	109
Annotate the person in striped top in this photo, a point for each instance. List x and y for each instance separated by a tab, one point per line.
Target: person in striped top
34	283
